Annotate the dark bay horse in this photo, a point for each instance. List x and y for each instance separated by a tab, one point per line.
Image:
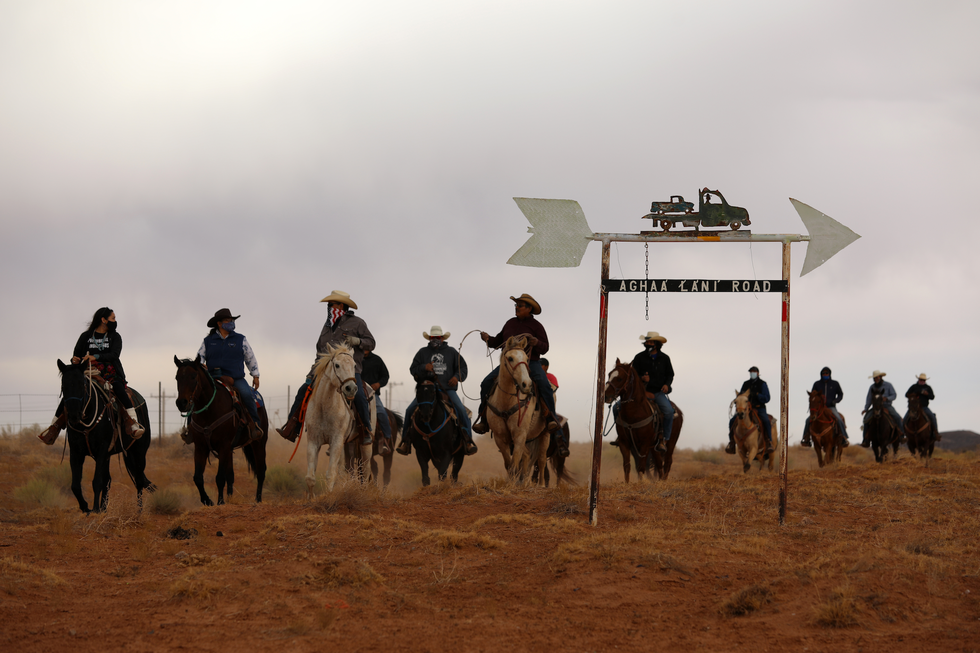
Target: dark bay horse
640	424
557	462
94	430
824	430
880	430
216	428
918	429
434	434
396	422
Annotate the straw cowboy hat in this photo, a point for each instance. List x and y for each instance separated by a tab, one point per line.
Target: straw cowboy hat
876	373
653	335
339	296
220	316
923	377
526	298
436	333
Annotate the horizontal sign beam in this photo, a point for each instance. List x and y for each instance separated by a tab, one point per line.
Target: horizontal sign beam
695	285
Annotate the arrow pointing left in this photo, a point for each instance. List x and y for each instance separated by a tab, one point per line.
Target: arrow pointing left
561	234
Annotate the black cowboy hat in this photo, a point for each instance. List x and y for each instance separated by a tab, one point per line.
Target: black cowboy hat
220	316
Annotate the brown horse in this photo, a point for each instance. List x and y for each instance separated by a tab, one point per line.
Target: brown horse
217	428
824	430
640	424
750	440
918	429
396	421
557	462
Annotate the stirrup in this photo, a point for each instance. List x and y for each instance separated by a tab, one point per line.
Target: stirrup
661	447
405	448
469	447
730	448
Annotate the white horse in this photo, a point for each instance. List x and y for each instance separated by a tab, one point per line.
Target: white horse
329	416
518	428
749	438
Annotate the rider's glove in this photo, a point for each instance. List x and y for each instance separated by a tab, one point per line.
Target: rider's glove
353	341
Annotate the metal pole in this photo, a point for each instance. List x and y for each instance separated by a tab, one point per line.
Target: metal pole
784	390
160	407
599	390
163	412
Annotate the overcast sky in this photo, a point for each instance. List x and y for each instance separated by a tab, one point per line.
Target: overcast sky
169	159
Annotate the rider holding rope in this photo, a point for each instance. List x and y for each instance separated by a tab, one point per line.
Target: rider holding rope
522	324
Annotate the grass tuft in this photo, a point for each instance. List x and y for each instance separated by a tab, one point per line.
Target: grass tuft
746	600
285	481
840	611
40	492
166	501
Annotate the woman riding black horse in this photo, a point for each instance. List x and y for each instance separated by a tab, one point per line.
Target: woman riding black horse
99	346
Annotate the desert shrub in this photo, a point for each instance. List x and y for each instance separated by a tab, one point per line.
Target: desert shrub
746	600
166	501
284	480
38	491
351	496
58	475
840	611
711	456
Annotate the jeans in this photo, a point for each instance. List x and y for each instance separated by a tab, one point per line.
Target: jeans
668	412
382	417
766	424
245	392
540	380
464	419
840	423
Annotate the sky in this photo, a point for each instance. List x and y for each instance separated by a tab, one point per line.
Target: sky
170	159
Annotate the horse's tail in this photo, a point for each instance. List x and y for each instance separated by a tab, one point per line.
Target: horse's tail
562	473
249	457
399	423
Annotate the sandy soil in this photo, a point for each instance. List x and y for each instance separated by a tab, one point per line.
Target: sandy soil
873	558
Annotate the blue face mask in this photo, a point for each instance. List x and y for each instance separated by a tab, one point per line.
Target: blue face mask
228	326
825	377
753	375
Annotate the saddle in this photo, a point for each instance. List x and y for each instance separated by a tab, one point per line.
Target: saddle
241	413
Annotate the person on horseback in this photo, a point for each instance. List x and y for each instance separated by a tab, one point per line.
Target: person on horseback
758	397
657	373
341	328
374	372
832	395
100	344
926	394
886	389
522	324
439	362
563	440
225	352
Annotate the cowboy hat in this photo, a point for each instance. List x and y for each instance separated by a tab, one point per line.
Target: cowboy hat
220	316
653	335
436	333
527	299
339	296
923	377
876	373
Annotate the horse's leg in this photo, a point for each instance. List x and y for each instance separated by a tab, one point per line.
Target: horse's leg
100	481
625	451
818	449
312	453
337	455
201	459
544	441
387	466
458	464
77	461
226	474
423	458
362	464
259	466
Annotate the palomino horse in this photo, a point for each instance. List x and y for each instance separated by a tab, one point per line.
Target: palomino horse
217	427
824	430
880	430
750	441
396	422
329	416
918	429
515	417
640	424
434	434
94	430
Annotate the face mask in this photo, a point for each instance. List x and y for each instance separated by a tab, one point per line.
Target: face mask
111	326
435	342
753	375
228	326
825	377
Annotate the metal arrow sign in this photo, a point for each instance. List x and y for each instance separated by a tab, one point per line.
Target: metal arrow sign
561	235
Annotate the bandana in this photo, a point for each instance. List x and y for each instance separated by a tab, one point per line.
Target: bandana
335	314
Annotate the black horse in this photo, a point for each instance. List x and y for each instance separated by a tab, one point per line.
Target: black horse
880	430
92	431
434	434
216	427
558	462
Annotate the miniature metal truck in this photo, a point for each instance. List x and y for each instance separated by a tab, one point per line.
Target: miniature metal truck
668	214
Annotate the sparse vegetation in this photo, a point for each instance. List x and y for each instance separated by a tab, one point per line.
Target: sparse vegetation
746	600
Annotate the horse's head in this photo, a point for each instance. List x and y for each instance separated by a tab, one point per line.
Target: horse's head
877	403
73	388
742	405
336	367
190	377
619	382
426	397
514	358
817	402
915	402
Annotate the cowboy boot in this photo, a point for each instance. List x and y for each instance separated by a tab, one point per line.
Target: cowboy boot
469	447
133	427
806	439
661	446
256	431
384	448
481	425
769	447
50	434
562	445
405	447
290	429
731	442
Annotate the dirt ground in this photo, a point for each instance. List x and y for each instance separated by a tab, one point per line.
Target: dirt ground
872	558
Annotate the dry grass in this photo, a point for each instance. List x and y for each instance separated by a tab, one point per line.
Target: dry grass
343	572
284	481
13	572
746	600
165	501
193	586
350	496
445	539
839	611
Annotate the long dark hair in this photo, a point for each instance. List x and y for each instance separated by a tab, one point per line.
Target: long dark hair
103	312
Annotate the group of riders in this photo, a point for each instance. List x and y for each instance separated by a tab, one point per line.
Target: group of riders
227	353
831	391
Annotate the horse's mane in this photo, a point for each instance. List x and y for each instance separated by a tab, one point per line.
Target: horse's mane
515	342
322	360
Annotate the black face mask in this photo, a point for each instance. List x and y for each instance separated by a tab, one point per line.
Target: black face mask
111	326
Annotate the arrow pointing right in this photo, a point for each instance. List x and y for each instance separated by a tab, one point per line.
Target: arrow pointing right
827	236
